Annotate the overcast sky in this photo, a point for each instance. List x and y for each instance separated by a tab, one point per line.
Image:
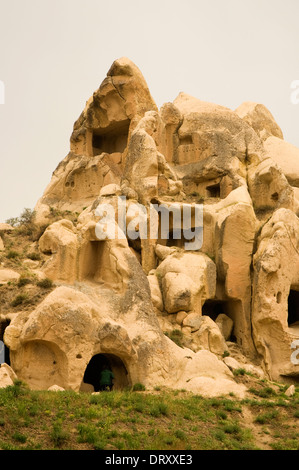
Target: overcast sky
55	53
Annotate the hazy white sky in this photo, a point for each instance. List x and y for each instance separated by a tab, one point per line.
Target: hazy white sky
55	53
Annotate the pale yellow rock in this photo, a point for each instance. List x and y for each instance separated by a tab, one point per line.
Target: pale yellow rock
7	376
268	186
225	325
55	388
6	227
60	242
187	280
31	264
8	275
232	363
110	190
290	391
117	295
204	374
260	119
156	294
163	251
2	248
286	156
235	233
276	264
208	129
208	387
180	316
101	131
178	292
193	320
208	336
12	334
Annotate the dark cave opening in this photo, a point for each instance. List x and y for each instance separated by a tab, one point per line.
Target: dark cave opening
293	307
213	190
112	362
4	350
213	308
111	140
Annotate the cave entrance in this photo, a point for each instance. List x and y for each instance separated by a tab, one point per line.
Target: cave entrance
293	307
111	140
4	350
213	308
99	361
213	190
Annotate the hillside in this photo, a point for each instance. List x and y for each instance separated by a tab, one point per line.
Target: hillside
160	420
165	248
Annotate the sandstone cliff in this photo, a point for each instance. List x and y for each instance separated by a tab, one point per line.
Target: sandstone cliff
123	299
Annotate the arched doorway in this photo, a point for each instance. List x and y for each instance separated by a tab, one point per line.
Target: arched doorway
293	307
4	350
95	365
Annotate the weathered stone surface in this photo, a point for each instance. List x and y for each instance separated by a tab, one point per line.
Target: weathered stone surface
187	279
286	156
6	228
115	295
156	294
290	391
55	388
60	242
208	336
7	376
274	317
99	140
260	119
8	275
225	325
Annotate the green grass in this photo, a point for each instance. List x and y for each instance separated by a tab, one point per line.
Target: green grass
131	420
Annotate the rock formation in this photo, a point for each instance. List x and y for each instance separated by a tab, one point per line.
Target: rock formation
122	299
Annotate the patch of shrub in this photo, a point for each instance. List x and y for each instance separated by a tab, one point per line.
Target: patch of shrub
45	283
58	434
176	336
239	371
12	254
264	392
23	281
138	387
34	256
19	299
266	417
19	437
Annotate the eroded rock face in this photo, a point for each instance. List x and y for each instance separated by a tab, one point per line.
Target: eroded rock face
116	297
275	296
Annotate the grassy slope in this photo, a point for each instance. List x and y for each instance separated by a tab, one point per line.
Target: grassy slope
161	420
